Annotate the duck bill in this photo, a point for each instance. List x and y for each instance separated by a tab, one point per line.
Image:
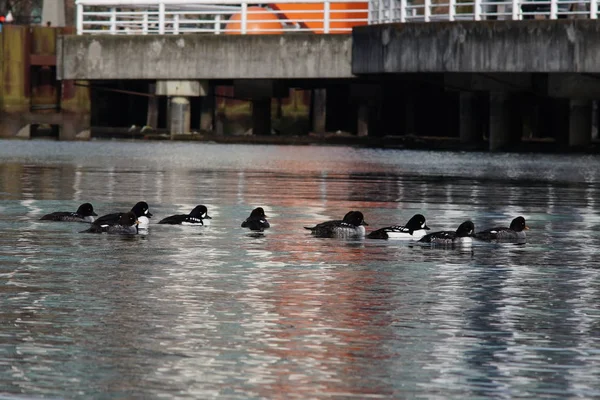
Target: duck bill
526	228
364	223
425	227
207	217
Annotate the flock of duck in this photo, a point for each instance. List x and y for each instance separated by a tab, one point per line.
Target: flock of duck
350	226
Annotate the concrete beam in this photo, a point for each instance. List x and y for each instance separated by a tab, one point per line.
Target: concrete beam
259	88
182	88
191	57
492	82
565	45
568	86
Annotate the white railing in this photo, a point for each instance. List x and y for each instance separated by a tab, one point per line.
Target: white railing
219	16
317	16
387	11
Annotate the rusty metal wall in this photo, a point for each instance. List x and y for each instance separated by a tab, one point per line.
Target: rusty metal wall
30	94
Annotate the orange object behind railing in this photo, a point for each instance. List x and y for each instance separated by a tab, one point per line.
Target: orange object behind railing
259	20
312	15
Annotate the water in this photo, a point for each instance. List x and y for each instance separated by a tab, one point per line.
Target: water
218	312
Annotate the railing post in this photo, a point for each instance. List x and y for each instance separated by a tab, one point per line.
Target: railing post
326	16
403	4
553	9
593	9
145	23
218	24
176	24
161	18
244	18
113	20
427	11
451	10
477	10
380	11
79	19
516	8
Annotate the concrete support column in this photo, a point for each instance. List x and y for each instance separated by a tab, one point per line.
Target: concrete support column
362	128
318	110
468	118
179	118
554	117
152	116
580	122
410	125
261	116
207	111
75	127
499	131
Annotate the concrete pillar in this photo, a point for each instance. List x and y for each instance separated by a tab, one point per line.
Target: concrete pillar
499	128
410	125
555	119
207	111
53	12
179	122
152	116
362	128
318	110
75	127
580	122
261	116
468	118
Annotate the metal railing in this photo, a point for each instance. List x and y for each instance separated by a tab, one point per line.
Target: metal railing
386	11
219	16
317	16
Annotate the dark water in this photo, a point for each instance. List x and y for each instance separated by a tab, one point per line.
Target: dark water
215	312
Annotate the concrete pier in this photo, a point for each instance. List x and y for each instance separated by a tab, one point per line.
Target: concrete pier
468	118
508	82
261	116
580	122
179	116
318	112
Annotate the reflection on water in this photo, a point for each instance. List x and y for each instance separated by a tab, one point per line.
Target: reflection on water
204	312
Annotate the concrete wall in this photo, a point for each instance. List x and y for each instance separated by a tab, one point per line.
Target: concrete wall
292	56
484	46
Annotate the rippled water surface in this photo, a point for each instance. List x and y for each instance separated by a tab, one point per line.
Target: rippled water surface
218	312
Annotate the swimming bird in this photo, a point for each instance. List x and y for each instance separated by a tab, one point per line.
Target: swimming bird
85	213
257	221
462	235
196	217
414	229
140	209
352	225
516	232
127	225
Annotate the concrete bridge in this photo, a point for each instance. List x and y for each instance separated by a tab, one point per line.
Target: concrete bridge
482	81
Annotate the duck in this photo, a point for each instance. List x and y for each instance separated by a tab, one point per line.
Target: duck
84	213
352	225
140	210
414	229
515	232
462	235
257	221
127	225
197	216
